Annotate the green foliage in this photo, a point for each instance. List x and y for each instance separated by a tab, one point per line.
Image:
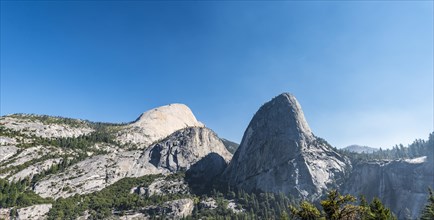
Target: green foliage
18	194
378	211
428	211
255	206
81	145
306	211
115	198
337	206
118	199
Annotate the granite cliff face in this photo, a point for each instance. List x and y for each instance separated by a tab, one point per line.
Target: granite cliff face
157	123
402	185
178	151
162	140
279	153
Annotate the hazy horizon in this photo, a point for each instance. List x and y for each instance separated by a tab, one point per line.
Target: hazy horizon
362	71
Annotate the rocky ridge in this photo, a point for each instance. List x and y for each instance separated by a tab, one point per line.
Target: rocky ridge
278	153
177	152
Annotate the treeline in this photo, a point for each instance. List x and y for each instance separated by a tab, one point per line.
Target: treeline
342	207
416	149
102	134
271	206
82	142
45	119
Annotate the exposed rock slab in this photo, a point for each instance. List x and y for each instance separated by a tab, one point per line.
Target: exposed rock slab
179	208
158	123
165	187
34	212
7	152
208	203
185	147
31	125
5	213
29	154
35	169
176	209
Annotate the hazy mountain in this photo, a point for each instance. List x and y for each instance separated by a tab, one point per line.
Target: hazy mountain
360	149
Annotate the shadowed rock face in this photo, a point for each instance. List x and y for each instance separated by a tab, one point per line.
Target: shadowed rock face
203	173
185	147
279	153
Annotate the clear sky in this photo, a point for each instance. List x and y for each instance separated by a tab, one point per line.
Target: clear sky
362	71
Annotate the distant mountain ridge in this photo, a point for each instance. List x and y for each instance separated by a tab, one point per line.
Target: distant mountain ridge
360	149
55	157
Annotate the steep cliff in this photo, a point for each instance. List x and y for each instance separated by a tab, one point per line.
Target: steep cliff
176	152
402	185
279	153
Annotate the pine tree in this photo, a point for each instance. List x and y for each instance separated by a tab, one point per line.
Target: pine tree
339	207
307	211
428	211
378	211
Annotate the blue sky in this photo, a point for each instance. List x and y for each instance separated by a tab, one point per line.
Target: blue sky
362	71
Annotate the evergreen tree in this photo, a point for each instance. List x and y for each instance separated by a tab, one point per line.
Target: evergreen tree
378	211
339	207
307	211
428	211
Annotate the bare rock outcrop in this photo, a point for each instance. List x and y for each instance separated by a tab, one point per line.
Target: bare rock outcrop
185	147
175	209
178	151
279	153
180	208
33	125
161	186
158	123
7	152
35	212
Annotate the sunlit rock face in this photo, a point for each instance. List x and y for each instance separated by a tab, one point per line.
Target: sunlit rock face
279	153
178	151
158	123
